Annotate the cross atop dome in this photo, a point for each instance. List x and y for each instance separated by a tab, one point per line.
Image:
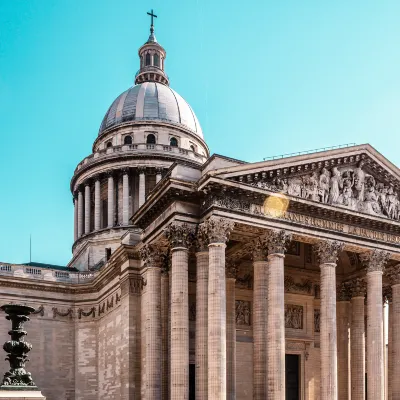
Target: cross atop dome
152	37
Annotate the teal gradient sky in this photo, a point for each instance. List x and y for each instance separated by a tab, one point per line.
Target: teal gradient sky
264	78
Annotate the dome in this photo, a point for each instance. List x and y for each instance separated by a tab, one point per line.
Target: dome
151	101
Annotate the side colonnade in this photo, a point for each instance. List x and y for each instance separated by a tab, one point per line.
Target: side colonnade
215	339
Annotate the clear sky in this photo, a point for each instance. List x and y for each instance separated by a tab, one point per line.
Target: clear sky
264	78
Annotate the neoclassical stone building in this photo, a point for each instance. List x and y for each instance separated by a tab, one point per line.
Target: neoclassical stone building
205	277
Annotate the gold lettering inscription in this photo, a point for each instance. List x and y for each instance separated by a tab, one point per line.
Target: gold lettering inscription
333	226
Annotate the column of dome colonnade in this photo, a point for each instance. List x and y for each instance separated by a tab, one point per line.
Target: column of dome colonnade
83	223
374	262
201	313
260	294
394	329
276	242
153	260
357	339
217	231
180	237
328	252
387	298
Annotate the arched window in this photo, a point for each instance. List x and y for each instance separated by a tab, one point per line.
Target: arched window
109	144
173	142
192	148
156	60
148	59
128	139
151	139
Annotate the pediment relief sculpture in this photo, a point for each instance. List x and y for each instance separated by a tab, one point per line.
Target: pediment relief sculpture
346	186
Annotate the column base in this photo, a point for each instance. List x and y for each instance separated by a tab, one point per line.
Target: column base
18	394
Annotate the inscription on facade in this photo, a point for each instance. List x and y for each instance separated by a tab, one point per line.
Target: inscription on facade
293	316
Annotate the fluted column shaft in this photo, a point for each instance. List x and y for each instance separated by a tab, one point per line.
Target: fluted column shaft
75	217
80	213
87	208
110	211
328	336
390	351
230	338
125	198
375	370
165	334
357	349
97	205
153	333
260	294
142	187
202	325
343	313
395	341
276	327
217	323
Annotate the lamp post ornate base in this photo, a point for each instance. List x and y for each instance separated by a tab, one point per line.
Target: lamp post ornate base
17	382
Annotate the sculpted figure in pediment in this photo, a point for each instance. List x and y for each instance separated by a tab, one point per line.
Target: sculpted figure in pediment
350	187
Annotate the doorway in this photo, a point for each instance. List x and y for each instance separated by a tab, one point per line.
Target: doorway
292	364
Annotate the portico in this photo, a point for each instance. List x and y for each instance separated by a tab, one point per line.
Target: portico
300	281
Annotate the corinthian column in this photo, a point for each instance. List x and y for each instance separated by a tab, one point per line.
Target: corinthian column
110	216
153	260
374	262
87	207
343	312
389	298
125	196
260	294
165	332
231	274
80	212
328	252
394	275
97	200
180	237
218	230
276	243
202	314
357	340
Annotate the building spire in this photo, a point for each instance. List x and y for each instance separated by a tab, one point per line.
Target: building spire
152	37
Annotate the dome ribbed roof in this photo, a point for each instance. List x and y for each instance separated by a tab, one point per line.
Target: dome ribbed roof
151	101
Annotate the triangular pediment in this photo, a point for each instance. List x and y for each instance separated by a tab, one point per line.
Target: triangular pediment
357	178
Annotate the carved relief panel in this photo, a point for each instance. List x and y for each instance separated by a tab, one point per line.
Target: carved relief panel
293	316
243	313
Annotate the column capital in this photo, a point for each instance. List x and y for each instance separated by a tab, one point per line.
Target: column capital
201	241
110	173
231	269
80	189
88	182
393	273
258	249
180	235
375	260
125	171
96	177
141	170
343	292
277	241
328	251
358	287
152	255
75	196
218	229
159	170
